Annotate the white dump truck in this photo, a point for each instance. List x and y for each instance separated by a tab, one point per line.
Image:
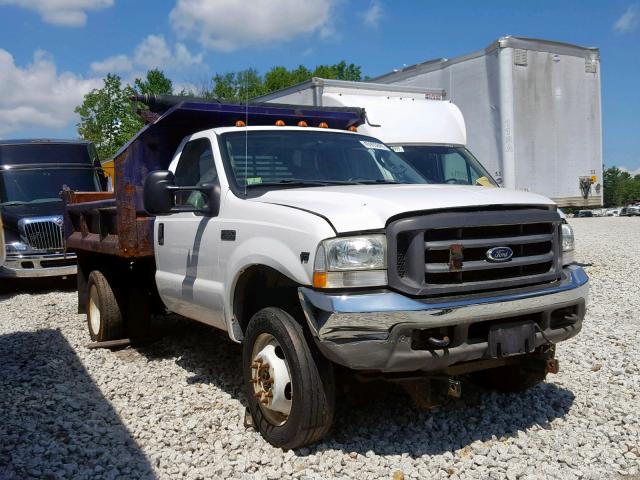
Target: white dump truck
320	249
533	112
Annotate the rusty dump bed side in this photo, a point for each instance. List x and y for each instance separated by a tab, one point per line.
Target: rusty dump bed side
103	223
115	223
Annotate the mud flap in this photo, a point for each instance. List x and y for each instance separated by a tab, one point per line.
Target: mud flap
509	339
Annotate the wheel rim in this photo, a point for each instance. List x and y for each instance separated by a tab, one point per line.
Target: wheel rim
271	379
94	311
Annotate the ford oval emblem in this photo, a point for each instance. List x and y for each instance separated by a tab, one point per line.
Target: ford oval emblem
499	254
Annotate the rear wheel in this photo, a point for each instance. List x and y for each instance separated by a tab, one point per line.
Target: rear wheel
289	385
104	317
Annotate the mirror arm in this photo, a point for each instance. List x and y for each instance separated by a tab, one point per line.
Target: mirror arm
202	189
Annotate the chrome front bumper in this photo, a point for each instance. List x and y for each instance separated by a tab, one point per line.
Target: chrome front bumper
374	331
47	265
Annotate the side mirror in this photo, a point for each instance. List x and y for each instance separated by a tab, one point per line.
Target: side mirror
159	195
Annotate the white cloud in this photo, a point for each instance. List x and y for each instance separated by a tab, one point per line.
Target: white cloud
373	14
629	20
117	63
37	95
152	52
66	13
231	24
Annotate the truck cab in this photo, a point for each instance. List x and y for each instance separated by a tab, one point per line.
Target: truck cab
322	250
32	175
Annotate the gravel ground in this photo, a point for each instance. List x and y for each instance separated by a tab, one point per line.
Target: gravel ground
174	409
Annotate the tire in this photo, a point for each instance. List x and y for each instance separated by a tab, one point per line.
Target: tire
311	390
509	379
104	318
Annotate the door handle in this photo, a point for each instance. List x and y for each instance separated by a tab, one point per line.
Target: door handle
161	234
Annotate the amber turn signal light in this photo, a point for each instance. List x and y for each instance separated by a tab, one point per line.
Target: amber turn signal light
319	279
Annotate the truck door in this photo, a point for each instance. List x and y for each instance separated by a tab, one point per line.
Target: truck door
187	243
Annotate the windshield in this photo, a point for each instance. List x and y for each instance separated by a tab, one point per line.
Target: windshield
29	186
446	164
299	158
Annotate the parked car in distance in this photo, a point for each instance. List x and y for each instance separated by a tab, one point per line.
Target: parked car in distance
613	212
630	211
584	213
32	174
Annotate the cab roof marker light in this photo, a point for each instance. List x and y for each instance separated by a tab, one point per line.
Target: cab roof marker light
240	123
302	123
323	125
279	123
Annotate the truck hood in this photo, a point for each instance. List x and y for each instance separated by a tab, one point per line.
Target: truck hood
351	208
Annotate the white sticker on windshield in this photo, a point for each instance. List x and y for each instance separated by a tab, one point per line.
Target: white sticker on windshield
374	145
397	148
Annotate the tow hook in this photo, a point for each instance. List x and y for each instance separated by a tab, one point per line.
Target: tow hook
552	366
431	392
455	388
439	342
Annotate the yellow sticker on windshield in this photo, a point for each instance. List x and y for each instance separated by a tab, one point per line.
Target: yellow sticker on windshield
485	182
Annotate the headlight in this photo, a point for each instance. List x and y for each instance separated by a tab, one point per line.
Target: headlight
351	262
16	247
568	242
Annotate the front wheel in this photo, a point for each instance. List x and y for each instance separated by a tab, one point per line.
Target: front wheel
289	385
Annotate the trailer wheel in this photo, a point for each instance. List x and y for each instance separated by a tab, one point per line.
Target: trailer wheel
104	317
289	385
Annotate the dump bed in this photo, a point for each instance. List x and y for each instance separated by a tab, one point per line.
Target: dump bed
115	223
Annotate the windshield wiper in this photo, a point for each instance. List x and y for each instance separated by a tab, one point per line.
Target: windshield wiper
376	182
301	183
12	203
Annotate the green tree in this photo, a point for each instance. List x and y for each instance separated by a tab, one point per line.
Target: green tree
107	116
155	82
236	86
620	188
339	71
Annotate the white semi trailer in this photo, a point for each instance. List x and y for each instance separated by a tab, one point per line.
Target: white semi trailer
533	113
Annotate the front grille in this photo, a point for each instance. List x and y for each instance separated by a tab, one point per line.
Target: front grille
421	261
43	233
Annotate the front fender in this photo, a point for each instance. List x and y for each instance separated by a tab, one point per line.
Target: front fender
267	252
